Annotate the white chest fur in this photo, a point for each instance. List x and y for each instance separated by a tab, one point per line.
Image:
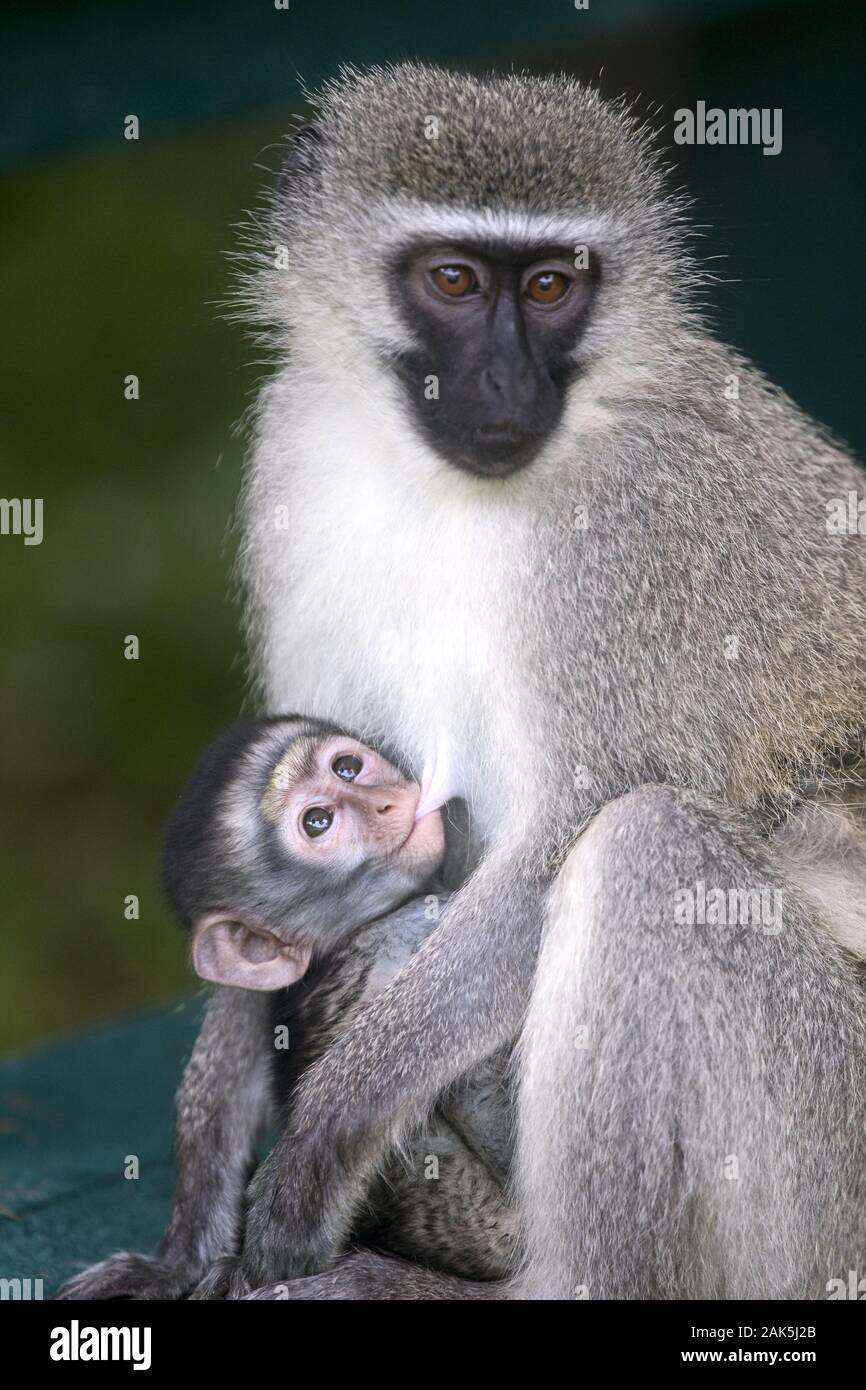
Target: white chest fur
393	580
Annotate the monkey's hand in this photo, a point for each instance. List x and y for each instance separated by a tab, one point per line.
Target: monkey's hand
224	1280
287	1233
299	1204
127	1275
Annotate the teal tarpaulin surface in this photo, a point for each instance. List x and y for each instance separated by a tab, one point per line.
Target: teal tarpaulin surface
71	1118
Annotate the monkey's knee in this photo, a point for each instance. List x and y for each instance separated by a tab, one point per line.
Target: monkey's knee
654	861
647	833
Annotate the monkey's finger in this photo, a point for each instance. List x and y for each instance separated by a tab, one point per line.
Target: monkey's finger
223	1280
124	1275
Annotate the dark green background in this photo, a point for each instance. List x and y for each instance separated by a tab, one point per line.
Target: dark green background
113	262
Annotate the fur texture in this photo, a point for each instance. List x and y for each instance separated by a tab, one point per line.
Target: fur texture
657	599
650	625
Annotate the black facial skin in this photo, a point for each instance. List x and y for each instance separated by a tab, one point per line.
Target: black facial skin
500	353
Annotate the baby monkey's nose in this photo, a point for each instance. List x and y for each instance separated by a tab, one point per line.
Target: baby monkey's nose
385	800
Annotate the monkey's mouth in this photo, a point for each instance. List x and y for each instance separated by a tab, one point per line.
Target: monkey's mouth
494	451
503	436
424	845
413	826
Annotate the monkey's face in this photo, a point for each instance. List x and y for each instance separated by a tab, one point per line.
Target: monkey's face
497	254
497	326
341	844
336	805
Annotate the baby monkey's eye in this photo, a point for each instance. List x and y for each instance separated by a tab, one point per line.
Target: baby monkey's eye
347	766
317	820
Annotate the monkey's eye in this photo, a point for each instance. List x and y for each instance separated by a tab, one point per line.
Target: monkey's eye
456	281
548	286
317	820
347	766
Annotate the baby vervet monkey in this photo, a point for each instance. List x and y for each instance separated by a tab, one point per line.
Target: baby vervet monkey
291	835
301	865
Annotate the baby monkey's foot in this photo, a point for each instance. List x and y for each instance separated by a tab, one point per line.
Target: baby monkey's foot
127	1275
224	1280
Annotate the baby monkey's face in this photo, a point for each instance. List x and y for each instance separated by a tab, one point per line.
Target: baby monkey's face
337	804
292	837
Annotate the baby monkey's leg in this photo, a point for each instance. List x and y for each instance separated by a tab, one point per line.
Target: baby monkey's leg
370	1278
221	1105
436	1201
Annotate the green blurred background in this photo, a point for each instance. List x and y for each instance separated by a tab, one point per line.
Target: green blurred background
112	261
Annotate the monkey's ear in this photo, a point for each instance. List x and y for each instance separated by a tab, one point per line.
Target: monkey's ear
302	156
228	952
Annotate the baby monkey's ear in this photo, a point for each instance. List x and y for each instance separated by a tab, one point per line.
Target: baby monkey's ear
228	951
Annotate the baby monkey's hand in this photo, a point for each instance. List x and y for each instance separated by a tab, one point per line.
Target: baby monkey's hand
132	1276
224	1280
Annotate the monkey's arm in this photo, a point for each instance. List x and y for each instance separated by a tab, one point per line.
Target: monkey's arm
458	998
221	1104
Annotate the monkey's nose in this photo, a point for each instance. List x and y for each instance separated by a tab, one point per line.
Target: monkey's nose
507	387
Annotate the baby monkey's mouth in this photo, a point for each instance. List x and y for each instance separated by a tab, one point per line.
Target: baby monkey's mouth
423	845
414	827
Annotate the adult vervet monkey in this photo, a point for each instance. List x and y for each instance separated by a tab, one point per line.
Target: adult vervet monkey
607	610
625	635
534	542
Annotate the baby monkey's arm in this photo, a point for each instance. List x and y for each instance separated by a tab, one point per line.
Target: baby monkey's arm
221	1106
